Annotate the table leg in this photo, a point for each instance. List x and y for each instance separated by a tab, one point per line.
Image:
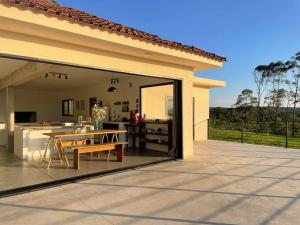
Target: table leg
46	149
107	139
51	152
58	149
114	137
64	153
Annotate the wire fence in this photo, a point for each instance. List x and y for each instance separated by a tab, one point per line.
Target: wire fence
282	133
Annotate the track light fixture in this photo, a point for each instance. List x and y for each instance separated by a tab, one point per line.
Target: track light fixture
56	75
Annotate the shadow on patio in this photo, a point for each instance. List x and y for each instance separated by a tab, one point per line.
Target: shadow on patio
225	183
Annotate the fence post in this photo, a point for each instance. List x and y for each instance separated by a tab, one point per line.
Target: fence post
242	132
208	129
286	133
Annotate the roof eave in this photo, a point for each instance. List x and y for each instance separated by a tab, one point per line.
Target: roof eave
201	82
15	20
65	13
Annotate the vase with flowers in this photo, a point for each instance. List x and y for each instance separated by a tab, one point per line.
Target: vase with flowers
98	114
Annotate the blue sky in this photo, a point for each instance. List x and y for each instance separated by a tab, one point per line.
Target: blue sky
248	32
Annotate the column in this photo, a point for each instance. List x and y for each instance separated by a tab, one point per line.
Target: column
10	117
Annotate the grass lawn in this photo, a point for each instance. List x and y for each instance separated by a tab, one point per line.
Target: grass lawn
253	138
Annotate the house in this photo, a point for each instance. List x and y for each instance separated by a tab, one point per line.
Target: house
57	62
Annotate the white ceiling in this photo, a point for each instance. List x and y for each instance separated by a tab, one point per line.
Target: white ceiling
8	66
77	77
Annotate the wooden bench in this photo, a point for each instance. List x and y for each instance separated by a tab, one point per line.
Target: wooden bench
118	146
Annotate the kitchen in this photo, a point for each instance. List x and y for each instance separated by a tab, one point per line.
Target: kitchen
55	101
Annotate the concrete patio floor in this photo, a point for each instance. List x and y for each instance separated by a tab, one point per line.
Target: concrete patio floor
225	183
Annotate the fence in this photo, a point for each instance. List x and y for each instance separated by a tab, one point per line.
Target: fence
284	133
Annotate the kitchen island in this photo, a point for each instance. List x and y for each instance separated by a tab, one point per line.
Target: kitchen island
30	141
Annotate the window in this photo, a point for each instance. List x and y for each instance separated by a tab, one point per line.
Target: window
169	106
68	107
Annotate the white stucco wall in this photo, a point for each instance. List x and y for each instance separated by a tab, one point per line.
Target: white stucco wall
201	96
125	93
154	101
46	103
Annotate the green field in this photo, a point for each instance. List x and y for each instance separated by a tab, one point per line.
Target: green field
254	138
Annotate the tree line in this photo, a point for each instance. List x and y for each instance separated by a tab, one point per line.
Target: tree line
275	98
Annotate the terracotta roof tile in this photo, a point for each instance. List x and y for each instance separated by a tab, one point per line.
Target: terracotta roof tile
86	18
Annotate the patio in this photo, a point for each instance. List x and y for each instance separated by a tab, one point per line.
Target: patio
225	183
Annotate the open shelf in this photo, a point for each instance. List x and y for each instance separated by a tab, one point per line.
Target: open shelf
144	136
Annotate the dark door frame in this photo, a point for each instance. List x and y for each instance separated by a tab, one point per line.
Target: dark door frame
177	93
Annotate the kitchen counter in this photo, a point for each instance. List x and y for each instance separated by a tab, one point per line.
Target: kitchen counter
41	127
30	141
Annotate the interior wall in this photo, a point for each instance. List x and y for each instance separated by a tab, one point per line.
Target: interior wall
125	93
45	103
154	101
201	96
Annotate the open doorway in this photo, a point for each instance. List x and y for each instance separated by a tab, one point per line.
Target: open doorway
60	98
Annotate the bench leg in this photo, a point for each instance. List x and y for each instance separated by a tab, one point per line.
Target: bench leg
76	159
120	152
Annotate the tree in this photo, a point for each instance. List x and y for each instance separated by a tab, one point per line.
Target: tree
275	74
294	95
245	102
260	77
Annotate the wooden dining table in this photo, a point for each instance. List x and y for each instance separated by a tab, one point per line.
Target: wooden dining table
58	144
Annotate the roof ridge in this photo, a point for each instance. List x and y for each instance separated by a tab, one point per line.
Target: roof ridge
47	6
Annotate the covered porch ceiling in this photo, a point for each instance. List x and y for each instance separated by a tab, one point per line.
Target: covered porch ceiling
11	69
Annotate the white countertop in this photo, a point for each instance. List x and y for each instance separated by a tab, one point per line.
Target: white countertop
43	127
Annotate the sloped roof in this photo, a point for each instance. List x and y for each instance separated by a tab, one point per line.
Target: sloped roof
53	9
